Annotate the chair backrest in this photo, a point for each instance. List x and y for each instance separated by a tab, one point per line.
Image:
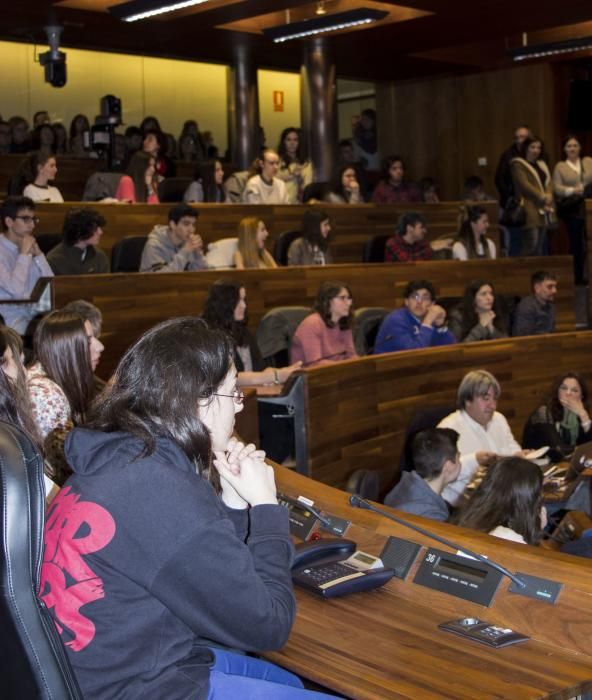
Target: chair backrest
422	420
374	248
173	188
275	332
32	658
101	186
127	254
367	320
221	253
47	241
315	190
234	186
282	243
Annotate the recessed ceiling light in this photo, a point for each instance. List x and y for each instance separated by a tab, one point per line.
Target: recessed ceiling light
144	9
324	23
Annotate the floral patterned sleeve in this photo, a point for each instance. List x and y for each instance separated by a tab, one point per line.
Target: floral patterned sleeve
50	405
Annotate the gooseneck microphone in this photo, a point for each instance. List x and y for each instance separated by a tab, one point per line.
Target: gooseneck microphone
358	502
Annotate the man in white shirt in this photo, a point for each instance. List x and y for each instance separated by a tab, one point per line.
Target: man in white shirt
21	261
484	433
266	188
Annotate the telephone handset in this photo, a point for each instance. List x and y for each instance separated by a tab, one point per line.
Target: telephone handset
331	567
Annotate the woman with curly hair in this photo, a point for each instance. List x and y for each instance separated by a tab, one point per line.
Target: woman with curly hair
326	336
479	316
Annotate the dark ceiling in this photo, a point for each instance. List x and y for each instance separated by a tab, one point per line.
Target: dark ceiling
459	35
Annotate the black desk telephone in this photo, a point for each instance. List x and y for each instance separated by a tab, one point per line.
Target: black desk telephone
331	567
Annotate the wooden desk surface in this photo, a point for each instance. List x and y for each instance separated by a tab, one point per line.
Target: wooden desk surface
386	643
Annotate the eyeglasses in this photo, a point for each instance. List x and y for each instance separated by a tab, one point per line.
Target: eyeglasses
420	297
344	297
237	396
28	219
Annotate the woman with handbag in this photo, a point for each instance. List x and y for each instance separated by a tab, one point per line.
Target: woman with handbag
571	176
534	188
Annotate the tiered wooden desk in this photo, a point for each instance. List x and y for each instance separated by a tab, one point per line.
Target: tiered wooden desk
132	303
386	644
352	224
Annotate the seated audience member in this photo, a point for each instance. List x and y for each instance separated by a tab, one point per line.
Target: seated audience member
474	190
176	247
326	336
508	503
61	138
43	138
295	169
77	254
421	323
264	187
483	432
40	117
41	170
60	382
5	136
226	309
251	252
535	314
21	136
429	190
345	188
78	126
409	244
218	575
563	421
312	248
155	144
472	241
140	184
436	461
207	184
392	187
22	263
479	316
91	313
150	123
133	139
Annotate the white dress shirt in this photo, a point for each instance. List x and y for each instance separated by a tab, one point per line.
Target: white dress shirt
473	437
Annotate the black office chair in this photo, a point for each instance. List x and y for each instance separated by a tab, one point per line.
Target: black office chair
173	188
282	243
315	190
32	658
367	321
374	248
364	483
101	185
127	254
422	419
275	332
47	241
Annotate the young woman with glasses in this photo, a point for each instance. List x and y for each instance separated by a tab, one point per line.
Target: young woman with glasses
171	534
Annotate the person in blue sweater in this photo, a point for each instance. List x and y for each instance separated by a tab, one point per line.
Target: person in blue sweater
421	323
167	548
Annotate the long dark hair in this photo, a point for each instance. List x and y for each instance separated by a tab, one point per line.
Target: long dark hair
510	495
465	233
554	407
136	169
157	385
283	151
219	308
311	228
470	318
61	346
322	304
34	161
206	174
15	405
387	163
337	183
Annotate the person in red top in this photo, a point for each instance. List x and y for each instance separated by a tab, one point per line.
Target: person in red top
409	243
392	187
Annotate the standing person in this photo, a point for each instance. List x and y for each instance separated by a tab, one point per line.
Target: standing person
212	571
533	186
312	248
479	316
535	314
140	184
295	169
365	140
176	247
392	187
22	263
251	252
78	253
325	336
571	176
503	173
421	323
264	187
41	170
345	188
472	241
207	183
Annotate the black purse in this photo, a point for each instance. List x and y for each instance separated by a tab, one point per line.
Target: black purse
514	213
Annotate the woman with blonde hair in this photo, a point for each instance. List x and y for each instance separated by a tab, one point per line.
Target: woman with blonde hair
251	252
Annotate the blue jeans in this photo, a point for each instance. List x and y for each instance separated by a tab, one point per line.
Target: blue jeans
238	676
